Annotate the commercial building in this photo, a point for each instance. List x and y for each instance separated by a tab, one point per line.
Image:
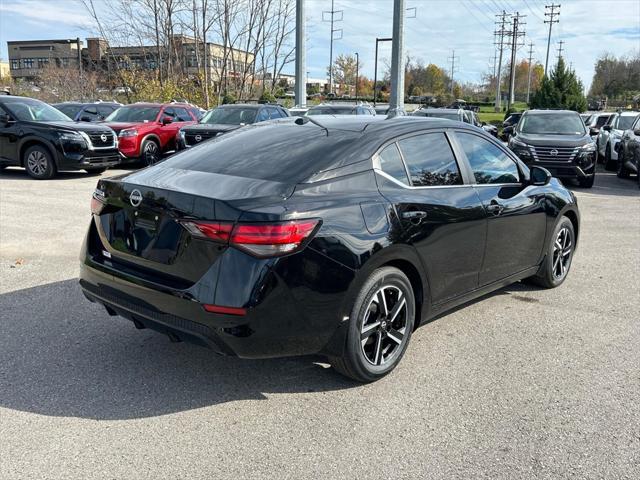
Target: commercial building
28	57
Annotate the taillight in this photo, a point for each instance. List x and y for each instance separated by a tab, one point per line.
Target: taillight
258	239
97	202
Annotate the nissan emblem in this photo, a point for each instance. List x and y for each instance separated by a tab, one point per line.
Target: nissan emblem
135	198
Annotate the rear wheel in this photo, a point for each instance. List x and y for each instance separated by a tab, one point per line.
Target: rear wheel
559	253
380	326
609	163
39	163
150	152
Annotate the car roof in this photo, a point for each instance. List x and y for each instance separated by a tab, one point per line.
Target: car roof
442	110
541	111
629	114
247	105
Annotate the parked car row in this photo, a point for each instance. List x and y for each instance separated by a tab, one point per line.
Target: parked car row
457	114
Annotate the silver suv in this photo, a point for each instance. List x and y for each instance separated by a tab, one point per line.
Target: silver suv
610	135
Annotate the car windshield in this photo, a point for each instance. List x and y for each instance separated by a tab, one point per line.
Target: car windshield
30	110
230	115
134	113
625	122
332	111
445	115
69	110
552	124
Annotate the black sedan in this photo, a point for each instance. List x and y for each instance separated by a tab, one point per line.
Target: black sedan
324	235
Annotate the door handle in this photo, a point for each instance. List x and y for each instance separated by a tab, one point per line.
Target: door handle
415	216
495	208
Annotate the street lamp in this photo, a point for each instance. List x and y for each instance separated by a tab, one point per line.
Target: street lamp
357	73
375	73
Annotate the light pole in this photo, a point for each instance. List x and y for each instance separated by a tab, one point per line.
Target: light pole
357	73
375	72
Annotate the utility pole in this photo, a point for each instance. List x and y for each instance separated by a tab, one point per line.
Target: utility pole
453	59
552	14
515	34
301	55
330	16
357	73
500	33
529	74
396	100
559	56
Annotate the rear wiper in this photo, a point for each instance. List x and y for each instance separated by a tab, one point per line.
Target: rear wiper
303	120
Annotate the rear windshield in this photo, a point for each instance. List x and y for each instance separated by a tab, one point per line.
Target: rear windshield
69	110
552	124
282	153
445	115
332	111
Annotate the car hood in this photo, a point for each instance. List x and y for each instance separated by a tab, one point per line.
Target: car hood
555	140
210	127
75	126
117	126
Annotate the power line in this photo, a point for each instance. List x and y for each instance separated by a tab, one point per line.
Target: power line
500	34
532	10
474	16
552	14
331	18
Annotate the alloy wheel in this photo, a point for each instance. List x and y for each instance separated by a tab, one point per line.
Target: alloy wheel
562	250
37	162
151	153
383	330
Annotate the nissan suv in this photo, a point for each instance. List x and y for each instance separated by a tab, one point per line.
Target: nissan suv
87	112
557	140
225	118
43	140
148	130
610	135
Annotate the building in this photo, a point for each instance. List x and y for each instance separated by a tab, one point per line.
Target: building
27	58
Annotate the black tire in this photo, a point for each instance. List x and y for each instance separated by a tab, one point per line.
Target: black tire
150	152
371	332
95	171
598	157
621	170
587	182
609	163
551	274
38	162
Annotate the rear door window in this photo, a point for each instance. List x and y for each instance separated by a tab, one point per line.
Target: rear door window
430	160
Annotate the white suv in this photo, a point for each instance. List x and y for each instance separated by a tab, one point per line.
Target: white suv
610	135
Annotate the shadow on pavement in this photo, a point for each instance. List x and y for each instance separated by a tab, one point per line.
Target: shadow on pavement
607	183
63	356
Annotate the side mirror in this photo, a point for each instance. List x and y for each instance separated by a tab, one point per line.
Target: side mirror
85	119
4	119
636	132
166	120
607	128
593	131
539	176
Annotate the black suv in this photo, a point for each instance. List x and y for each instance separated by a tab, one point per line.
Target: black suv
43	140
226	118
87	112
557	140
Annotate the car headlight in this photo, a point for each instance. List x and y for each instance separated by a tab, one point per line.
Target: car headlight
128	132
589	147
514	142
71	137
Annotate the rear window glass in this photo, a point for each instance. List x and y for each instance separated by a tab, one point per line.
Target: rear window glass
282	153
391	163
430	160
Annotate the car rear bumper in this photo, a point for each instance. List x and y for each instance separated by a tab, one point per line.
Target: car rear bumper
285	315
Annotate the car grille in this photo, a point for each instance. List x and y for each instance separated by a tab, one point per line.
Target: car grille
193	138
554	154
102	140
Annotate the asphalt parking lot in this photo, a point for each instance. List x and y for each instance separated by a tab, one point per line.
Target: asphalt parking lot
524	383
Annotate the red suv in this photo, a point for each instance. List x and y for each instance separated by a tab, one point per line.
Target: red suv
146	130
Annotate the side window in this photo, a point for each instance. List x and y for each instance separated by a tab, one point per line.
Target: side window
430	160
274	113
488	163
181	114
90	113
263	115
169	113
391	163
104	111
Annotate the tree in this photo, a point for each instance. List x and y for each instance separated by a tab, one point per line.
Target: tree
615	77
561	89
344	70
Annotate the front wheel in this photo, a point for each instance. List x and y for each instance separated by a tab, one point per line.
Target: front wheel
621	171
559	253
39	163
380	326
609	163
150	152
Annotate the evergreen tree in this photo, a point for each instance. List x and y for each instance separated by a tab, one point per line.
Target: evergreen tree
561	89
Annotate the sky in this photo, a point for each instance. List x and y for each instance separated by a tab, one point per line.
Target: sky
588	28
